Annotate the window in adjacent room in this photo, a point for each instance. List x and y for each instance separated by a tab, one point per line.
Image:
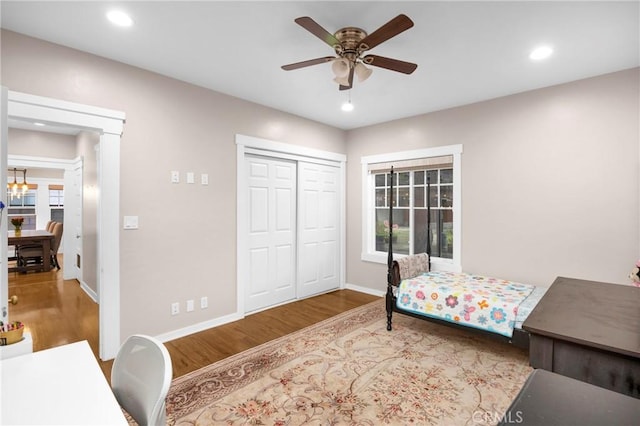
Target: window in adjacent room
23	205
413	170
56	202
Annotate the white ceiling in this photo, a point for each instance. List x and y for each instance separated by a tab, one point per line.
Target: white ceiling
466	51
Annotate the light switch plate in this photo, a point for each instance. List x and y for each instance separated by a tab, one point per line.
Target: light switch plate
190	177
175	176
130	222
204	179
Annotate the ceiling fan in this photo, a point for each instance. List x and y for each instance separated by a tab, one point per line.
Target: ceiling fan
351	45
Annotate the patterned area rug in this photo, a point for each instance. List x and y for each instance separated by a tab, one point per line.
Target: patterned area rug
349	370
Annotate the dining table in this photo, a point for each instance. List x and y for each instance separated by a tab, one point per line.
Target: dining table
32	237
58	386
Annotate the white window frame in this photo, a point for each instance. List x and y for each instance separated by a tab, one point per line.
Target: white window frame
369	253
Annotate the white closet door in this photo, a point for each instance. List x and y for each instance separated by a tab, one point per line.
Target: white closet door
271	253
318	230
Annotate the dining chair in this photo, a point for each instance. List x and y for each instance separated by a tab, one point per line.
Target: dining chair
140	379
49	226
34	253
57	230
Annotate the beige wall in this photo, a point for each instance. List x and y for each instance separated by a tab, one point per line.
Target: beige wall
550	181
185	246
41	144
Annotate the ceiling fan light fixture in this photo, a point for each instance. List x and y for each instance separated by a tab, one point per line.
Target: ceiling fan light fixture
343	81
347	106
340	68
362	72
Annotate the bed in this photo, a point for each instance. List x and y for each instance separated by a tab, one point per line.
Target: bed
489	306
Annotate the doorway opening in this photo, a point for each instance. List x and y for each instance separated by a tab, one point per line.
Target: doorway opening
108	124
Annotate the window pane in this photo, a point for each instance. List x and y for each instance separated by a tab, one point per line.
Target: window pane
446	176
403	178
30	199
442	233
57	215
29	223
432	175
446	196
380	180
418	178
382	230
400	231
403	197
420	231
434	196
381	197
418	196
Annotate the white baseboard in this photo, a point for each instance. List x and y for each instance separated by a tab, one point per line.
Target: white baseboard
201	326
90	292
367	290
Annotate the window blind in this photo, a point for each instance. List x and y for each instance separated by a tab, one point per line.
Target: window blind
441	162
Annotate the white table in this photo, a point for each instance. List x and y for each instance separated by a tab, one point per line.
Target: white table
63	385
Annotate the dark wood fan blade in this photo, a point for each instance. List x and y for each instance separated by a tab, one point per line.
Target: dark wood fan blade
390	64
307	63
391	29
314	28
350	81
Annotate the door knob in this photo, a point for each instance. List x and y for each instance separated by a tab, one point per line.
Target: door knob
13	299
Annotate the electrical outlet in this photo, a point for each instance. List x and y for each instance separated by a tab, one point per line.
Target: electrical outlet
175	308
190	305
204	302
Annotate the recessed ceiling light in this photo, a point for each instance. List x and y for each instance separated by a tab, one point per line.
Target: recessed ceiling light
38	124
119	18
539	53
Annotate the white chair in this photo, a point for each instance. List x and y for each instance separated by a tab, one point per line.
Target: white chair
140	379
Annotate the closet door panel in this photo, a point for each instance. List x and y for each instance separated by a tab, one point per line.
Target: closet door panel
318	230
271	186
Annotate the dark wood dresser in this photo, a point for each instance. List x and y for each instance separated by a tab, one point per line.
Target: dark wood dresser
589	331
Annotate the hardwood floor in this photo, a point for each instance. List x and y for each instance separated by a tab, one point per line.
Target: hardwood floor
57	312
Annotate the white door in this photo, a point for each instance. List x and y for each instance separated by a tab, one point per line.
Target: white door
319	231
72	230
271	256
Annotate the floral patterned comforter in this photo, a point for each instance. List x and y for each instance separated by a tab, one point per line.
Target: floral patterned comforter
482	302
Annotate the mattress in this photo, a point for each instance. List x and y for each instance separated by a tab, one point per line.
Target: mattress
486	303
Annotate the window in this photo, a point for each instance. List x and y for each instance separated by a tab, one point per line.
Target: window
56	196
423	179
23	205
56	202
